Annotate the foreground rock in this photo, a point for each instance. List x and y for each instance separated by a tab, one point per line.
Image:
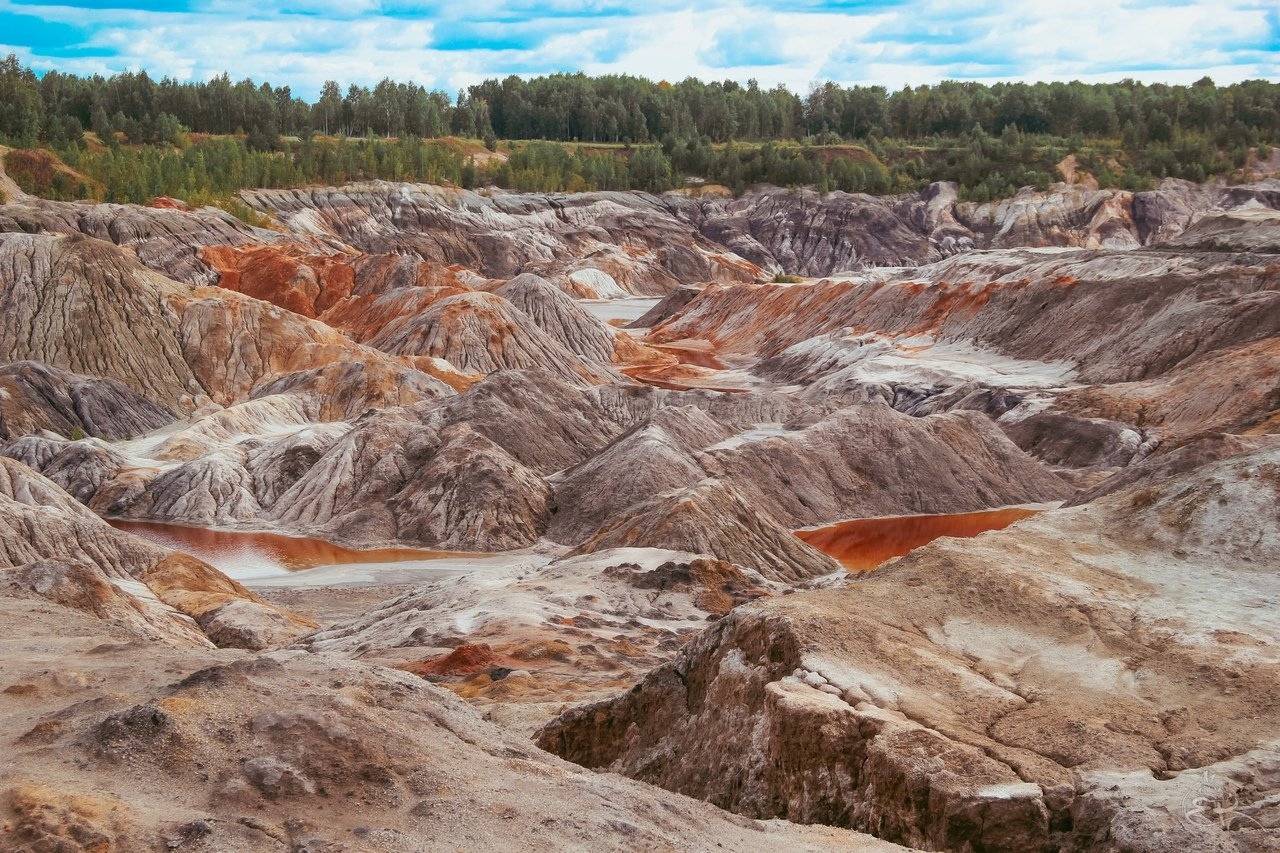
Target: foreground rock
217	750
524	640
1066	683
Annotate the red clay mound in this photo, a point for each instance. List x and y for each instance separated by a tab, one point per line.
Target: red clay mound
464	660
164	202
283	275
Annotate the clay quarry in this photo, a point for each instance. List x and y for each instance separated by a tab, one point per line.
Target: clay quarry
432	519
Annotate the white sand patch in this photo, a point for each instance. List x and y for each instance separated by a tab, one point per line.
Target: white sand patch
137	589
759	432
630	308
1035	658
920	360
599	282
1011	791
308	222
735	663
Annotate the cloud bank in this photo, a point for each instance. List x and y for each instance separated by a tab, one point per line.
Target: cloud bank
447	45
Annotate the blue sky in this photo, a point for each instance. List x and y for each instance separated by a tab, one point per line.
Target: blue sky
451	44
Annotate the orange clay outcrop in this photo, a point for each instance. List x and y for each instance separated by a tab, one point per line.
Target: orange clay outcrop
177	345
304	284
862	544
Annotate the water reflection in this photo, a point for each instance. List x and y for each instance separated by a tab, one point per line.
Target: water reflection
242	555
861	544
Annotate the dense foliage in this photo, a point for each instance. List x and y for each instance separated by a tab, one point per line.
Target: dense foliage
211	138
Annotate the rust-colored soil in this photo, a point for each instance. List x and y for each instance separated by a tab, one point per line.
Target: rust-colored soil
862	544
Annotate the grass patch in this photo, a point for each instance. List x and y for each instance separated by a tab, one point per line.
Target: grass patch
41	173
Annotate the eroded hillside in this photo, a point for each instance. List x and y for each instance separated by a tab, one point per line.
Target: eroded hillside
608	423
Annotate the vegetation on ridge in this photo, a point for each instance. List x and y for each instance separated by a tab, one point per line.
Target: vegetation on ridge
133	138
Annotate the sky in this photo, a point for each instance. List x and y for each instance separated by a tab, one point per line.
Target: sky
447	44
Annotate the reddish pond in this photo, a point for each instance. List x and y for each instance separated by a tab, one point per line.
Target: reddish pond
242	555
697	353
861	544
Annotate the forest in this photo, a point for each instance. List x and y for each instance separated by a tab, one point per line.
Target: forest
129	137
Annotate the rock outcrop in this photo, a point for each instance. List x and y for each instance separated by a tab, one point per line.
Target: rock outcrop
305	284
472	495
1067	215
36	397
684	478
871	461
1245	229
484	333
670	305
590	244
805	233
394	479
990	692
219	750
1119	316
654	457
111	318
711	517
82	586
567	322
601	245
166	240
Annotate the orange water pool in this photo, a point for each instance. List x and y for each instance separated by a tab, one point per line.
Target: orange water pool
861	544
271	552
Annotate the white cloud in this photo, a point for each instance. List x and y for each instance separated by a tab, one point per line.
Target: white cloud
892	44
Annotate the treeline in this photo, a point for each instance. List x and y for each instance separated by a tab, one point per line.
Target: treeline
553	167
204	141
615	108
214	169
211	170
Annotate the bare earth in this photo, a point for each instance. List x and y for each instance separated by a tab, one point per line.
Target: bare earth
618	640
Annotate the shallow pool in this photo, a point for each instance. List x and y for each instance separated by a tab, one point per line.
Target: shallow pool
273	559
861	544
